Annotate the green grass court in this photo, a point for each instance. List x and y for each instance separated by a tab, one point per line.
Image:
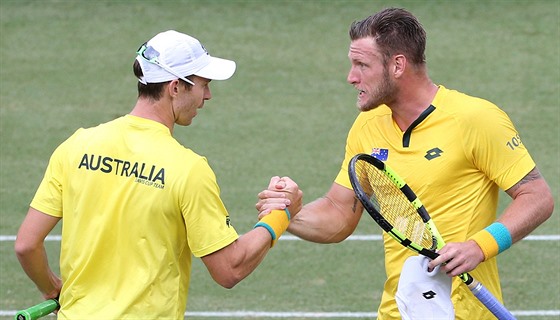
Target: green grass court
68	64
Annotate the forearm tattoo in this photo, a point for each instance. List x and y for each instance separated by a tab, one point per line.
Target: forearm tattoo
355	206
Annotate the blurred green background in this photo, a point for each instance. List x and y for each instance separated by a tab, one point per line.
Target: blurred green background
68	64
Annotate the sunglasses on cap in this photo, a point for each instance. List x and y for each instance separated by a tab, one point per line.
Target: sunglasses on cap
151	55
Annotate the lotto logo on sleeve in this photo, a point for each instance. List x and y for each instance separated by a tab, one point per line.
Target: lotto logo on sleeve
380	154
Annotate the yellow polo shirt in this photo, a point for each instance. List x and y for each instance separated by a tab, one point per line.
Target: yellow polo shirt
135	206
455	157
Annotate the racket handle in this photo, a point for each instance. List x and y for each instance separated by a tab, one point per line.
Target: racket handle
490	301
38	311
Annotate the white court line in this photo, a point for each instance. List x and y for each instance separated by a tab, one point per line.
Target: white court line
309	315
322	315
550	237
264	314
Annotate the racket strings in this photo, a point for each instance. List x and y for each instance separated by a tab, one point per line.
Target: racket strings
393	205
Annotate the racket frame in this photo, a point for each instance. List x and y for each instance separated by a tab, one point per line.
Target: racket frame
477	288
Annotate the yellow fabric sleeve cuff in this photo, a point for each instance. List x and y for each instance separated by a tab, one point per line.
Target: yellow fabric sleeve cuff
487	243
276	223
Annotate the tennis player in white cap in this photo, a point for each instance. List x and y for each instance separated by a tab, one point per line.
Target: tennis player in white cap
136	204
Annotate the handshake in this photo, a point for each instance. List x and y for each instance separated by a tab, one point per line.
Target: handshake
277	205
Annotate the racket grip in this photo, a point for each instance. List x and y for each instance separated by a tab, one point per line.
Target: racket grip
38	311
490	301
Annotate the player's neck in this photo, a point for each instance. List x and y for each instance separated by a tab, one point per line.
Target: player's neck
411	102
154	110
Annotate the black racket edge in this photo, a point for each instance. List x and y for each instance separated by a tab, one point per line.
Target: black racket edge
382	222
481	293
370	208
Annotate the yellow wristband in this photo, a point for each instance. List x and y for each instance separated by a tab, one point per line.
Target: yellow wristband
487	243
276	223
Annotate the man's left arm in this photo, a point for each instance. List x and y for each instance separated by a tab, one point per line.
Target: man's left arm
532	204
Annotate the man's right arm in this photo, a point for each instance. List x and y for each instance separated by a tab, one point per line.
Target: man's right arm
329	219
31	253
231	264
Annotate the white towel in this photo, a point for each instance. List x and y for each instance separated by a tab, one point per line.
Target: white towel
422	294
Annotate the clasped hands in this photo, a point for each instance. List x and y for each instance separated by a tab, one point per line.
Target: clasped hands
282	193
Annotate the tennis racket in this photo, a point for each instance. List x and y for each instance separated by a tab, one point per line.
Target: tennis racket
37	311
398	211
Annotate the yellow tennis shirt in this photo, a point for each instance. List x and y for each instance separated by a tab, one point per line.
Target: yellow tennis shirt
455	157
135	206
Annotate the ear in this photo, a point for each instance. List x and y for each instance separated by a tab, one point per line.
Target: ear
173	87
399	65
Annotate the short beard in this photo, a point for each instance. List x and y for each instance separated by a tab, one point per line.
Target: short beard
383	94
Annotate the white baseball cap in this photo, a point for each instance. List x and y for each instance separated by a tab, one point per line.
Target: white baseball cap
170	55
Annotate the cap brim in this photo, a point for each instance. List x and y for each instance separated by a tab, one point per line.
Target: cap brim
217	69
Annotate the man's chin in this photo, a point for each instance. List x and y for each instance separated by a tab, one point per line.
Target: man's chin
364	107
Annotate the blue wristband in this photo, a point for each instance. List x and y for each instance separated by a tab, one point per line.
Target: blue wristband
501	235
276	223
267	227
288	214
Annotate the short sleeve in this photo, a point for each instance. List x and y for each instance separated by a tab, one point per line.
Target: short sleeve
208	224
497	148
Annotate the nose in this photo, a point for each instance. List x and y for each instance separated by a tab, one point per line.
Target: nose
207	93
352	77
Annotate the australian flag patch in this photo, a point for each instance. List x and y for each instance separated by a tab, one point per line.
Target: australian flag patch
380	154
